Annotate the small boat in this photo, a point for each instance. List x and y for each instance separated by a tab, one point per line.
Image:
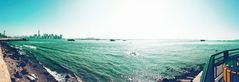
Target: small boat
112	39
133	53
202	40
70	39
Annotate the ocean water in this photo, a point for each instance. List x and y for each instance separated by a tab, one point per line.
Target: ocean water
105	61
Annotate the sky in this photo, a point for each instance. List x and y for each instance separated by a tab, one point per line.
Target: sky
125	19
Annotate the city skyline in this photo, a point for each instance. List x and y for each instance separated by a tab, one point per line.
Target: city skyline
124	19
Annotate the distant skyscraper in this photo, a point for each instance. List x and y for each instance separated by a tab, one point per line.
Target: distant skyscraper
39	34
4	32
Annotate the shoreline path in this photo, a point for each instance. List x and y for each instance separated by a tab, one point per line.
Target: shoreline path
4	73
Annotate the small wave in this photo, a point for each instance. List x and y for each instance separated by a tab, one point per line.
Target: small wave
30	46
59	77
21	52
16	46
133	53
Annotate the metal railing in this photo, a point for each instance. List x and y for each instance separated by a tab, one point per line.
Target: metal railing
213	70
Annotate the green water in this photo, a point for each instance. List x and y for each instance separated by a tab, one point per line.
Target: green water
104	61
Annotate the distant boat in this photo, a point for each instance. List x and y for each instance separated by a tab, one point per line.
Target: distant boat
202	40
70	39
112	39
123	40
133	53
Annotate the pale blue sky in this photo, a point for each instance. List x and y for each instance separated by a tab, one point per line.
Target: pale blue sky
144	19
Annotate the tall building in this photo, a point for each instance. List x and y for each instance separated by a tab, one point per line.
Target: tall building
4	32
39	33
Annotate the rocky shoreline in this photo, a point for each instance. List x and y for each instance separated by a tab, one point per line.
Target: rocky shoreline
24	69
188	76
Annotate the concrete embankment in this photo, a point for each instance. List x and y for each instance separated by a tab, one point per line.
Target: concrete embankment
4	73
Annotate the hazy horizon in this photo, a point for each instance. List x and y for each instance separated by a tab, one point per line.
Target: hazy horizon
123	19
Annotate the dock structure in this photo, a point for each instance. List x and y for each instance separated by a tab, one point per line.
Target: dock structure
13	39
221	67
4	73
